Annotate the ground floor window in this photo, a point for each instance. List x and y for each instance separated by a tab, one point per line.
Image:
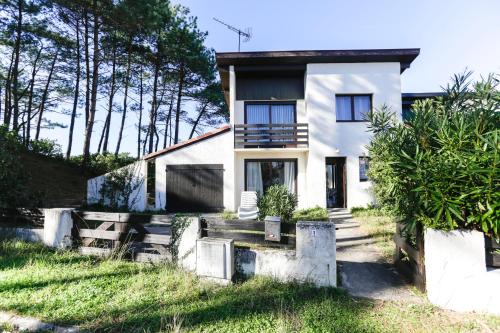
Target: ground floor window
261	174
364	165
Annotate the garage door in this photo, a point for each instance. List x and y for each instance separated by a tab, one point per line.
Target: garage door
195	188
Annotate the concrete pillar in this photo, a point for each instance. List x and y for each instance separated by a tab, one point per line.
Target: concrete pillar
57	227
315	239
186	248
316	253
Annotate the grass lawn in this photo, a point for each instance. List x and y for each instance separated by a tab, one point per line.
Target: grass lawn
114	296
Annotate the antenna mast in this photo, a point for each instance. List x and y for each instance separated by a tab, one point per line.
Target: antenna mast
247	33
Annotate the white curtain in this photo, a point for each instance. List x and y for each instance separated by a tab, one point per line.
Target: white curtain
254	177
257	114
283	113
289	176
343	107
362	105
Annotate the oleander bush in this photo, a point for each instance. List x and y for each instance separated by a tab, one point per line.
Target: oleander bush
277	201
441	168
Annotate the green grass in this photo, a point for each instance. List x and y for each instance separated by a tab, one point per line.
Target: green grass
117	296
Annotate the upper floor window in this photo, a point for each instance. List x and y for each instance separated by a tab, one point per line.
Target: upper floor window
353	107
270	113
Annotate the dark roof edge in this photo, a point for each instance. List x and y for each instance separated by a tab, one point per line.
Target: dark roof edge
189	142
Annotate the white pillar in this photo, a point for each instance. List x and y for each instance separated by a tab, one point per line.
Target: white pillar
57	227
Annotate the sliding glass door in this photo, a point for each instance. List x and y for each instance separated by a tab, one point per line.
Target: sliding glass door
261	174
270	113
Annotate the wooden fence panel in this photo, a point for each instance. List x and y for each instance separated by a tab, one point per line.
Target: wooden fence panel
247	232
145	237
492	250
412	265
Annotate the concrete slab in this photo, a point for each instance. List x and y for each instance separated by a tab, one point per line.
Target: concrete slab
363	272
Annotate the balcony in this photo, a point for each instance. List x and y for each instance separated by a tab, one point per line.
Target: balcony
271	136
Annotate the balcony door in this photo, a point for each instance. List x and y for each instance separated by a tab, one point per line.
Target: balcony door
269	119
335	182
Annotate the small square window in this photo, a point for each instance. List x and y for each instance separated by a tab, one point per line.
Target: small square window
364	166
352	107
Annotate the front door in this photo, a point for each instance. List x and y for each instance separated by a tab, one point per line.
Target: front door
335	182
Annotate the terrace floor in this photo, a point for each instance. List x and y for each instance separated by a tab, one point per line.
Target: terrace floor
363	270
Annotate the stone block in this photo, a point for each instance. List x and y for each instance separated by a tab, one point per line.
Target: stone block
215	259
57	227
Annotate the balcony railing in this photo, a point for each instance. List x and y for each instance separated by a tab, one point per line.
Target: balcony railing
271	136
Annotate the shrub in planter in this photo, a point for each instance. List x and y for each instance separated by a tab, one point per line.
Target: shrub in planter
277	201
442	167
310	214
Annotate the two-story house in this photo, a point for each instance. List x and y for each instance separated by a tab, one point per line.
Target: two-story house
296	118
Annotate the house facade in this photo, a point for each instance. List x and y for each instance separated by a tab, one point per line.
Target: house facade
296	118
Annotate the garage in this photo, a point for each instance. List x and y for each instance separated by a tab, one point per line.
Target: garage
194	188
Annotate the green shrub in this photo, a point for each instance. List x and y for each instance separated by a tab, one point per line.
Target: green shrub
46	147
277	201
100	164
310	214
119	187
442	167
369	211
14	180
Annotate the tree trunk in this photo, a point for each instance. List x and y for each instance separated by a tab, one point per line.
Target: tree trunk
15	69
77	90
202	112
44	96
8	87
152	114
87	65
167	121
30	97
179	97
140	118
125	97
93	95
107	125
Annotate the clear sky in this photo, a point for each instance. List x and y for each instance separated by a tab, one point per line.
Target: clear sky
452	35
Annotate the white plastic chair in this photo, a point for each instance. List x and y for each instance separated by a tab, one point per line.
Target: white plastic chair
248	209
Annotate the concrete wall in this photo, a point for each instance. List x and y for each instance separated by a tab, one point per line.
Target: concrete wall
138	199
215	150
25	234
314	259
327	138
456	273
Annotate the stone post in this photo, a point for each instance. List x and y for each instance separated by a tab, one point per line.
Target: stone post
57	227
316	252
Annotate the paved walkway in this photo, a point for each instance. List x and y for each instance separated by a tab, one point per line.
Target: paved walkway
363	272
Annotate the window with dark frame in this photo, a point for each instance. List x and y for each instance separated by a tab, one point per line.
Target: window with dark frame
260	174
352	107
270	112
364	166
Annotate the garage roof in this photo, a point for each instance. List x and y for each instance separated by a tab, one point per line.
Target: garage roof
189	142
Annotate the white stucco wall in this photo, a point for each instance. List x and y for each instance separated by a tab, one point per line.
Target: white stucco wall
327	138
138	199
215	150
456	274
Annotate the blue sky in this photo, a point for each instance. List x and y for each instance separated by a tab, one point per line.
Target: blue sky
452	35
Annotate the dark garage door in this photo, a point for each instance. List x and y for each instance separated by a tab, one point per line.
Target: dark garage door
195	188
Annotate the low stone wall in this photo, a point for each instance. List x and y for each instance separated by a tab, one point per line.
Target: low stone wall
314	259
456	274
25	234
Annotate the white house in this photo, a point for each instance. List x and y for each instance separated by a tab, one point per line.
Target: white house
296	118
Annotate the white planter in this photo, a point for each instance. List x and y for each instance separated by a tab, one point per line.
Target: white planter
456	274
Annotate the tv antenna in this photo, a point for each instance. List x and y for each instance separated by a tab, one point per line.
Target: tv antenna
247	33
